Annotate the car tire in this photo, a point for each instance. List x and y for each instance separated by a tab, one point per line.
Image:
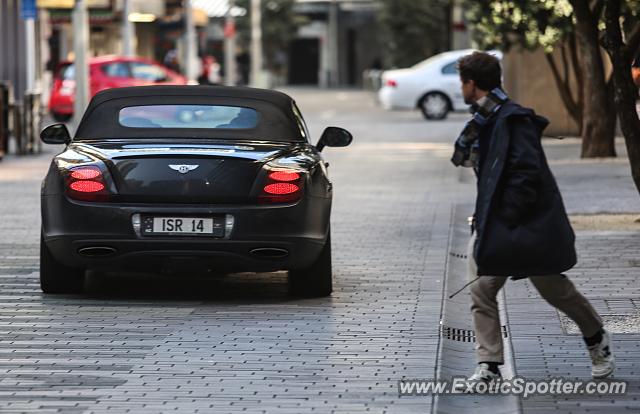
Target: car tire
56	277
316	280
435	105
61	117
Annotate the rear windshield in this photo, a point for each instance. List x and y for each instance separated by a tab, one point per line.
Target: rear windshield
188	116
67	72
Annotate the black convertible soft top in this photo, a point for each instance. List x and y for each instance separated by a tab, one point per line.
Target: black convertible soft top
276	121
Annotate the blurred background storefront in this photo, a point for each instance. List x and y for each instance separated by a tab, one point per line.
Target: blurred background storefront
306	42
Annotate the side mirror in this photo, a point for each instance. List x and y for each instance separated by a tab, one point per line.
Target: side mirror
55	134
334	137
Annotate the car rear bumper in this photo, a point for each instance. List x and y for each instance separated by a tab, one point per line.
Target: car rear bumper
61	105
263	238
185	255
62	109
392	98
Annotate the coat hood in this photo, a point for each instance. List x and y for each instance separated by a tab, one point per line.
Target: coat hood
510	108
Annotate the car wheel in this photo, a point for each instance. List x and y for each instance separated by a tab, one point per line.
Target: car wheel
56	277
435	105
315	280
61	117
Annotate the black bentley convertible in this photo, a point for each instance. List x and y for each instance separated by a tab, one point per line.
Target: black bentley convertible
188	178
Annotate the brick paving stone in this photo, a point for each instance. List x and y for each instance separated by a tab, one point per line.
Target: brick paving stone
543	349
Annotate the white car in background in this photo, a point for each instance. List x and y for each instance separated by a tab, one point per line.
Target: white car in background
432	85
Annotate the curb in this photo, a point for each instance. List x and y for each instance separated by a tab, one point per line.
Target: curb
455	354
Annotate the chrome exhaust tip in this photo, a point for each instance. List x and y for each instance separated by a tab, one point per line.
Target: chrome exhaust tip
97	251
269	253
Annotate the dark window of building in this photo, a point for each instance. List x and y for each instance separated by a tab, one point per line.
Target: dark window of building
304	61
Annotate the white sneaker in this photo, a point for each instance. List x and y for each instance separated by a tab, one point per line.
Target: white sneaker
602	360
483	374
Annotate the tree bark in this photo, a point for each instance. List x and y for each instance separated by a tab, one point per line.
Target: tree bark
598	120
633	40
577	72
625	91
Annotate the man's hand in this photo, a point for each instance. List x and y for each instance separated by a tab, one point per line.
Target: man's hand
460	154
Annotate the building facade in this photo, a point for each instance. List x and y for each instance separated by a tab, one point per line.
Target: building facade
340	41
13	61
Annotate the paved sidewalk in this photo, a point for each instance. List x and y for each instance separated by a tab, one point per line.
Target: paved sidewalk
548	344
545	343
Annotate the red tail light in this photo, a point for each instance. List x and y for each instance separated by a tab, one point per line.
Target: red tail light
391	83
284	176
282	186
85	173
87	184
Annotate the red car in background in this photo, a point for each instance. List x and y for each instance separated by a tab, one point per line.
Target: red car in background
107	72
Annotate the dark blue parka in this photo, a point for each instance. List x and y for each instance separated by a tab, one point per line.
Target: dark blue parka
521	223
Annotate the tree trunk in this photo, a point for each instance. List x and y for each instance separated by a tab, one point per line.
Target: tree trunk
579	76
625	91
598	120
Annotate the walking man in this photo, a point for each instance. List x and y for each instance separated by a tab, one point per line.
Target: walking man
520	225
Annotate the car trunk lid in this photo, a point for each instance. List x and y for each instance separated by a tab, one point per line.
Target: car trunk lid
184	173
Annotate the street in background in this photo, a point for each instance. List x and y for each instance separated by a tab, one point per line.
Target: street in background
432	85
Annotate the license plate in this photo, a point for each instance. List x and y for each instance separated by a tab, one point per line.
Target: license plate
183	226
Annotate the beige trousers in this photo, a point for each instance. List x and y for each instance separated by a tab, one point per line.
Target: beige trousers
555	289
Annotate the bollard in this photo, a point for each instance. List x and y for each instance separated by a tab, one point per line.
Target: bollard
372	79
18	127
5	110
3	126
27	122
32	123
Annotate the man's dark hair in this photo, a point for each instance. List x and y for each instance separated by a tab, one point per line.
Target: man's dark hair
482	68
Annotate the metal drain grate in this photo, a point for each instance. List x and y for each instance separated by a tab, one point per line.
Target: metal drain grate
458	255
464	335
